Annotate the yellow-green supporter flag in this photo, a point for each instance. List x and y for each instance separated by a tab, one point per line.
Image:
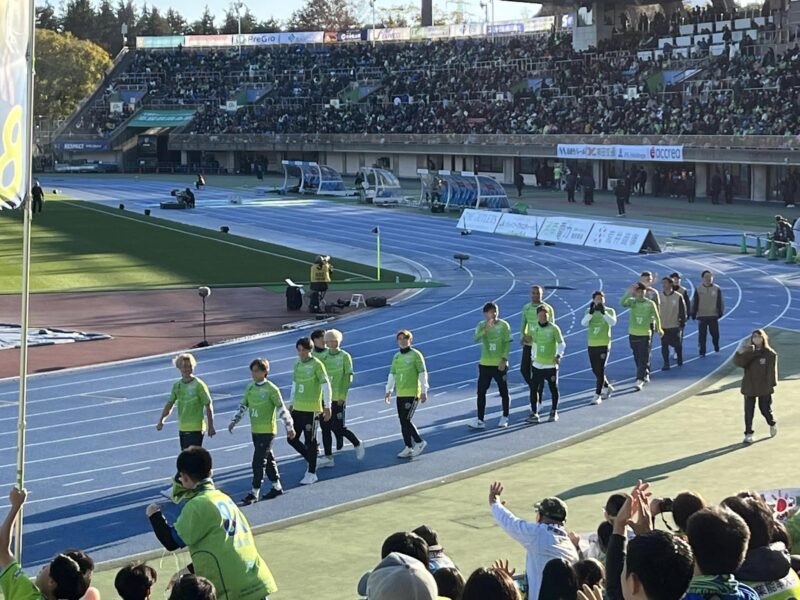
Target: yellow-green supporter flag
15	151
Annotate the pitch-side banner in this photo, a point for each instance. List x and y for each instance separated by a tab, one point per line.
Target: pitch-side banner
15	151
620	152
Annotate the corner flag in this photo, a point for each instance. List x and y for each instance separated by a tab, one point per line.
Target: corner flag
376	231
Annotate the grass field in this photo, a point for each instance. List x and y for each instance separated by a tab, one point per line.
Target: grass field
79	246
691	444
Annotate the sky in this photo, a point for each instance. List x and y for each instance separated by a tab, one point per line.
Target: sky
191	9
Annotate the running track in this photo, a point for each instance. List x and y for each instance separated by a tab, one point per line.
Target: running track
95	459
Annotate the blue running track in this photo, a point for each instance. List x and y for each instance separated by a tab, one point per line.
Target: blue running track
95	459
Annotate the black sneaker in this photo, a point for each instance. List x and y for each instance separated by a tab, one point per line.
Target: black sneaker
272	493
665	368
251	498
339	443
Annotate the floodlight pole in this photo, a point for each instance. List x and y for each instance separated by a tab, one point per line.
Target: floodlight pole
26	275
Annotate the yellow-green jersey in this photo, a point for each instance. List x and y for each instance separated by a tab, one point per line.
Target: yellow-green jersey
310	377
407	367
495	342
644	315
598	326
547	342
18	586
263	401
222	547
191	398
529	319
339	366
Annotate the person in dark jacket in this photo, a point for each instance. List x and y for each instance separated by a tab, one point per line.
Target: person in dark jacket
641	180
787	192
716	187
37	193
519	183
727	186
587	184
622	192
760	364
571	184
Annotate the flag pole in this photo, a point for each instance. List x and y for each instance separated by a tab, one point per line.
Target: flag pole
27	160
378	244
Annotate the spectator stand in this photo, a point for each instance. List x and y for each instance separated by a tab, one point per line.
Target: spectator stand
450	190
313	179
382	187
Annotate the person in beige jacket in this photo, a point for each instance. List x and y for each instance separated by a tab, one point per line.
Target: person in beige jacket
760	364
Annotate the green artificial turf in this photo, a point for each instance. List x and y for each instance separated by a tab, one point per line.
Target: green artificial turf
80	246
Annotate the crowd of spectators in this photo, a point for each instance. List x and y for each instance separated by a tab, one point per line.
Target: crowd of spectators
532	84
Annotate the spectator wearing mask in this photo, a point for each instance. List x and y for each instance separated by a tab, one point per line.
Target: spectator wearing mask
672	310
707	308
644	318
767	566
760	364
216	533
61	579
719	539
543	540
135	581
437	559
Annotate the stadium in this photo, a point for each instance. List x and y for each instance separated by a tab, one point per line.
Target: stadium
297	305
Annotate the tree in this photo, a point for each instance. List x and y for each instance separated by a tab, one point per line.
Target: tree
231	24
127	14
398	15
109	36
67	70
79	19
205	25
46	17
268	26
176	23
151	22
335	15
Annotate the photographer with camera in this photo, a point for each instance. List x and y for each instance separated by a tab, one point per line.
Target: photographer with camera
321	272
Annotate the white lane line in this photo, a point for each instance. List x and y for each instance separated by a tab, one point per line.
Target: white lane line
76	482
136	470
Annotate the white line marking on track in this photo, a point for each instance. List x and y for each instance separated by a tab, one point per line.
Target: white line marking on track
76	482
135	470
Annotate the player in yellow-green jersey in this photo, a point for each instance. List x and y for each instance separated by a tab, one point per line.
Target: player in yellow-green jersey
263	402
339	365
408	372
547	348
310	397
598	320
190	394
215	531
494	334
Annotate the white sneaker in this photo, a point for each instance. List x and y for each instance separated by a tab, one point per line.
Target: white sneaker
476	424
639	385
360	451
748	439
406	453
598	399
419	448
532	418
553	416
326	462
503	422
607	391
309	478
773	430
